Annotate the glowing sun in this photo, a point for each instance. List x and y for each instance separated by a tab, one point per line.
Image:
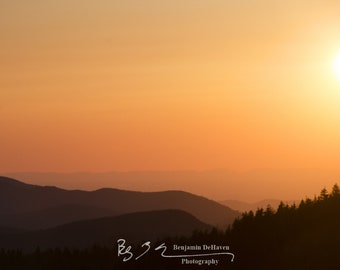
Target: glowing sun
336	66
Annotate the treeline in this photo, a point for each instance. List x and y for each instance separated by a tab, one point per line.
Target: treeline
94	258
304	236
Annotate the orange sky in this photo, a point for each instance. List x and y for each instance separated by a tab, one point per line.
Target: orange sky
168	85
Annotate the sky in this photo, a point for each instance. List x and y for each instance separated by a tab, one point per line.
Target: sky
168	85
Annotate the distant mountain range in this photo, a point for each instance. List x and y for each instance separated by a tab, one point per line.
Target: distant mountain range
246	207
36	207
32	215
253	185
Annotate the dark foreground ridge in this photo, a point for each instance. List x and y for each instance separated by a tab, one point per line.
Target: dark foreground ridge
136	227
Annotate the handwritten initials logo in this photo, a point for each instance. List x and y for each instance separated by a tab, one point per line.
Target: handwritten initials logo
125	251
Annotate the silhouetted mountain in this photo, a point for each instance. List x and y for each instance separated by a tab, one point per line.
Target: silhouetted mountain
53	216
8	230
292	237
244	206
134	227
31	207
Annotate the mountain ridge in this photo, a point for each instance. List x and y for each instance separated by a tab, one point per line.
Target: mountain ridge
17	199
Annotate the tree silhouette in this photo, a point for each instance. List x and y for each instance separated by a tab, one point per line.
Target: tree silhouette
306	236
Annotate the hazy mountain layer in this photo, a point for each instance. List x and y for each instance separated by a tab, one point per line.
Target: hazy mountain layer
32	207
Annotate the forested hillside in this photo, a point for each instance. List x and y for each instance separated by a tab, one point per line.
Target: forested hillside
304	236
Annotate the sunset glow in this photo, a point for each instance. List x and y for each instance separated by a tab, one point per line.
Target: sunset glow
336	66
168	85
